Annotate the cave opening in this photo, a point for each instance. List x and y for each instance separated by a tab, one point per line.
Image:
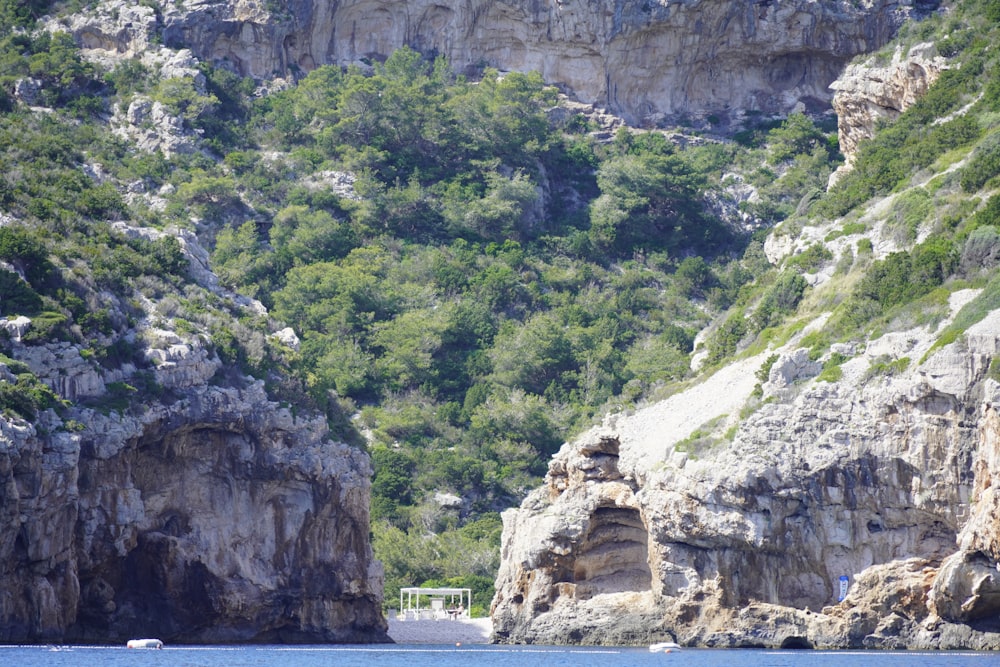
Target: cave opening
796	643
614	554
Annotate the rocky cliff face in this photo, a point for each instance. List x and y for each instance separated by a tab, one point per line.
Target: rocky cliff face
640	59
867	93
642	533
200	511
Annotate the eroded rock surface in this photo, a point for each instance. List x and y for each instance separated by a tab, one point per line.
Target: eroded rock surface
869	92
639	59
172	497
642	534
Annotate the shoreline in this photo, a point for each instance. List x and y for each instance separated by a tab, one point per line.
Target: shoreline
445	631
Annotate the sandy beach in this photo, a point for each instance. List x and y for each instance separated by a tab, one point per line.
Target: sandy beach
445	631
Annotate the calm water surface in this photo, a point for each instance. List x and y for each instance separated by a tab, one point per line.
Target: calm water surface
465	656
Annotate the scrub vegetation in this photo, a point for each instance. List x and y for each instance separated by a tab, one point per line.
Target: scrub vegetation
496	273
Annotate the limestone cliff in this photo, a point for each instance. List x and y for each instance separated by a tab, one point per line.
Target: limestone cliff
170	496
642	60
869	92
642	533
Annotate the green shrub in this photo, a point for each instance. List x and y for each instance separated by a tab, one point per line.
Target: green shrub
129	76
763	374
795	136
21	13
832	371
845	263
128	258
900	278
728	337
26	397
46	326
648	201
702	439
886	367
955	43
989	214
14	366
810	259
985	302
817	342
16	296
98	321
102	201
756	135
181	96
909	211
391	485
994	370
51	58
118	397
981	167
847	229
120	352
981	251
779	299
26	251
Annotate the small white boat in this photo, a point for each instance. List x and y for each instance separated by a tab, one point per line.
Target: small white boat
144	643
663	647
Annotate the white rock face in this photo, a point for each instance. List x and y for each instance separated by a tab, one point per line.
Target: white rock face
288	337
341	183
790	368
867	93
16	328
27	90
119	27
180	364
64	369
152	127
885	476
640	60
216	516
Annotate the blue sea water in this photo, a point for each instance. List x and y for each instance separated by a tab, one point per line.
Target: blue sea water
424	655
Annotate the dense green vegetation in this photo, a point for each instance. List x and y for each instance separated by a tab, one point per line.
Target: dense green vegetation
499	278
473	277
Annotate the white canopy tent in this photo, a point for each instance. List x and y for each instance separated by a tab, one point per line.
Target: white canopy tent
457	598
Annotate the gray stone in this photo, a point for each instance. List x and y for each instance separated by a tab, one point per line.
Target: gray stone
893	482
28	90
645	61
867	93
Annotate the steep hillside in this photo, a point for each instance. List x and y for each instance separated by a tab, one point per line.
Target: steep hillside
222	257
151	482
854	441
